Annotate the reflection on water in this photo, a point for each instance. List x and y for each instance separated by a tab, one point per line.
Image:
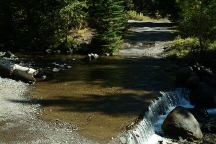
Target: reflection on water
101	97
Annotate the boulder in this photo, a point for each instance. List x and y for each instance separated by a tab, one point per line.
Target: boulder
203	96
205	74
182	76
192	82
209	126
181	123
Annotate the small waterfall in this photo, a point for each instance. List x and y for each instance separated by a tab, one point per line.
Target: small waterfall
145	131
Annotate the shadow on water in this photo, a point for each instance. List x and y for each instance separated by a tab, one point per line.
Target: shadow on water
113	89
120	104
131	73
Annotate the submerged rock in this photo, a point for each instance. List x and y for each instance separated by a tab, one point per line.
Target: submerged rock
181	123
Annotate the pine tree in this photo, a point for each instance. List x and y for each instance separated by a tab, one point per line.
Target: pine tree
109	21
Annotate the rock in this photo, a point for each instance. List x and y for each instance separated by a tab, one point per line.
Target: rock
92	56
49	51
139	44
126	45
69	51
55	70
107	54
203	96
9	54
57	51
123	140
193	81
2	54
181	123
44	77
182	76
205	74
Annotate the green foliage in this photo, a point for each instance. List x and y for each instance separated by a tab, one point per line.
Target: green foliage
198	20
212	46
128	4
109	21
39	24
183	47
164	8
137	16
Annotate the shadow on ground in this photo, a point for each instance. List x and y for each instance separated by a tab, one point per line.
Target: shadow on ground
150	32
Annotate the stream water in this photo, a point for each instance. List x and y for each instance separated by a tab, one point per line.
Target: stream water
145	132
94	102
101	97
91	102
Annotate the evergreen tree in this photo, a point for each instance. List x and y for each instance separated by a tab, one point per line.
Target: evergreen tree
109	20
38	24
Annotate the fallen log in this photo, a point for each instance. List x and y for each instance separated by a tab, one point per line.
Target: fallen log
24	72
16	71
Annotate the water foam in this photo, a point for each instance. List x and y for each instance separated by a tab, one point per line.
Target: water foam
145	131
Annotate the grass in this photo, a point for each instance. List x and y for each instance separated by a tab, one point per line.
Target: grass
183	47
187	51
141	17
137	16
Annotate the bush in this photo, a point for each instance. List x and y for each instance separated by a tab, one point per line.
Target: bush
137	16
183	47
37	25
198	20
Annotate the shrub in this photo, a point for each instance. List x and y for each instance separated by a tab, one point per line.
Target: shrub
137	16
198	20
183	47
38	25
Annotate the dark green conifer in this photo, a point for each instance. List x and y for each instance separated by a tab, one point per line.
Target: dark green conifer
109	21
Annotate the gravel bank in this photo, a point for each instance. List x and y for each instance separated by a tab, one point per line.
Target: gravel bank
20	124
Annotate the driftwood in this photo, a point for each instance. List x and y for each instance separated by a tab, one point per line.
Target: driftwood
17	71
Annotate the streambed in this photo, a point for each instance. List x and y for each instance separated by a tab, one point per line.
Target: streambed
101	97
96	100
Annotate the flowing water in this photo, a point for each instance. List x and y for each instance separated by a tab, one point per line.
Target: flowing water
145	132
100	97
91	102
